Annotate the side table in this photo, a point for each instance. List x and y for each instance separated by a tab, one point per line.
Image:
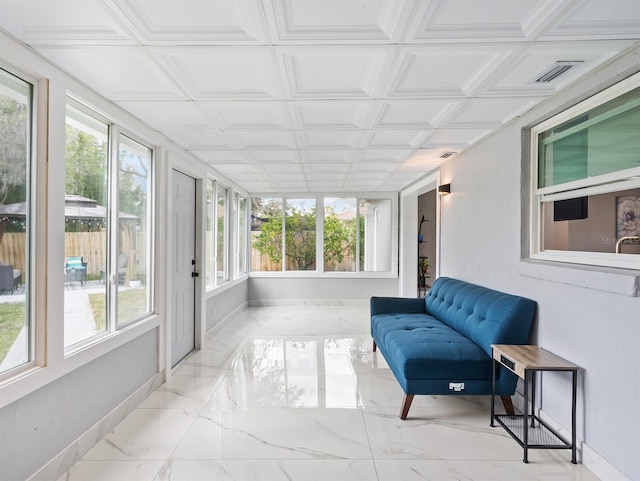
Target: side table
525	361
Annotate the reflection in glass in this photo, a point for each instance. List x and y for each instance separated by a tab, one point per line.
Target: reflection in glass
133	256
86	227
208	252
221	243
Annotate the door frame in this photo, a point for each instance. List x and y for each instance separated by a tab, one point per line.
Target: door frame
409	219
174	163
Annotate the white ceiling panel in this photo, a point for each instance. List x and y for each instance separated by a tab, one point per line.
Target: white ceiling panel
445	71
455	137
119	73
259	139
193	22
323	95
413	114
170	115
333	114
487	20
591	19
222	72
222	156
395	139
334	72
491	112
246	115
274	156
518	78
328	155
338	21
62	22
200	139
330	139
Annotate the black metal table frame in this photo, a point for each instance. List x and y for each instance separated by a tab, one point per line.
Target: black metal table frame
529	418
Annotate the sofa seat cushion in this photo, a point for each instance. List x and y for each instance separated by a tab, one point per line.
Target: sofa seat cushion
422	347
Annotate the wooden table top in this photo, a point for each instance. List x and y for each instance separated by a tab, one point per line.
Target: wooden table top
531	357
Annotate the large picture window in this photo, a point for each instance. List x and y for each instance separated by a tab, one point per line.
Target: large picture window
16	330
107	259
586	196
355	233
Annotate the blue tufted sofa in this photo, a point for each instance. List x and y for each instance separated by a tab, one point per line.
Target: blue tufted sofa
441	344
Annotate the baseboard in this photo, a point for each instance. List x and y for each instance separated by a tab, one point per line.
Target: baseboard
593	461
74	452
226	320
307	302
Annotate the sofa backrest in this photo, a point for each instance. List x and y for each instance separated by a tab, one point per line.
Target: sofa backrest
483	315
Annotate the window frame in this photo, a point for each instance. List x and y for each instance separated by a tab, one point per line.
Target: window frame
36	334
319	272
605	183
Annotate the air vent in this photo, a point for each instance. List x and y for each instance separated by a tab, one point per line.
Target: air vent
446	155
559	68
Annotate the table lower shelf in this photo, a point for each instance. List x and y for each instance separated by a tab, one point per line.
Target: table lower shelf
540	436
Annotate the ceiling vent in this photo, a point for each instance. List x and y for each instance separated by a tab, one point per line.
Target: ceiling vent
446	155
559	68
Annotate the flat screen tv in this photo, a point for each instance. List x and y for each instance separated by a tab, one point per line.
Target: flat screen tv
571	209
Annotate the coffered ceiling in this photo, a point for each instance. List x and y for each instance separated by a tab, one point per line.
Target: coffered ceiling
299	96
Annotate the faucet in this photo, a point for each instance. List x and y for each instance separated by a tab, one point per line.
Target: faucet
626	238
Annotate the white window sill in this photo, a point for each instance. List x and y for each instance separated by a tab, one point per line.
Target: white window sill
624	282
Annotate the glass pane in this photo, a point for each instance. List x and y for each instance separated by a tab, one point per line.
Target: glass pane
209	235
598	223
221	241
374	234
266	234
340	216
15	115
241	266
602	141
85	241
300	234
133	260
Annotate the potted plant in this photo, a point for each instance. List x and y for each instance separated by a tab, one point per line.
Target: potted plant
423	263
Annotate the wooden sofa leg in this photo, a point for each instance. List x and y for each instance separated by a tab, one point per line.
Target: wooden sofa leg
406	404
508	405
375	348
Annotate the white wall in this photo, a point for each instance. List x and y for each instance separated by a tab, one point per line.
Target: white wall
268	290
589	316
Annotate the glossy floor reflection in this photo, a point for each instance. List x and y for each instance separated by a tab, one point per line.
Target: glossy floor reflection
295	393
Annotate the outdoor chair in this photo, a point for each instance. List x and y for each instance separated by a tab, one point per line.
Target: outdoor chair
10	278
75	270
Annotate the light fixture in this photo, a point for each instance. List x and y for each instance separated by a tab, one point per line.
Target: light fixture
444	189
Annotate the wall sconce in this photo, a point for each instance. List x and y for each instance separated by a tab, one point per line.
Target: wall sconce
444	189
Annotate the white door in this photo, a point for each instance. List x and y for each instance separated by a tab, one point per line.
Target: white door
183	284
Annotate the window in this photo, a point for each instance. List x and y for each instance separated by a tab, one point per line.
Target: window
221	235
340	234
133	237
15	221
241	236
356	235
85	233
586	192
107	259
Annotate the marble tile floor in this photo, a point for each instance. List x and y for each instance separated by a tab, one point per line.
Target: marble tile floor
295	393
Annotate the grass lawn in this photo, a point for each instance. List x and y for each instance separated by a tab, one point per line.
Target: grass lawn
131	303
11	323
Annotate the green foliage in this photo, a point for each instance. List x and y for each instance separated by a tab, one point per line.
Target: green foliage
300	235
13	150
339	238
85	165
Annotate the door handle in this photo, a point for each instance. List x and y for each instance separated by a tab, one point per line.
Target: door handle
194	274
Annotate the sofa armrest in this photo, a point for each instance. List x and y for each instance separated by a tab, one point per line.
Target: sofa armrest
390	305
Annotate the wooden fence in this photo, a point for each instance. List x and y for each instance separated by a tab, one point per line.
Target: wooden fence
92	246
